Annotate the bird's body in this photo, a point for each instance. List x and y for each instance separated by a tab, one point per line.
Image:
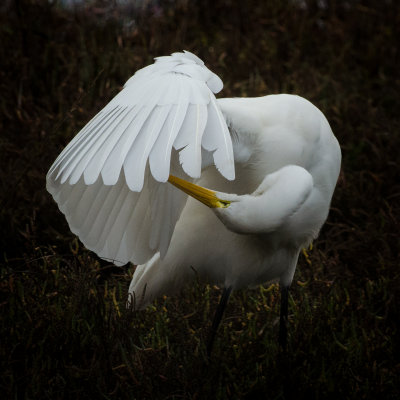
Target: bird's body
273	162
272	135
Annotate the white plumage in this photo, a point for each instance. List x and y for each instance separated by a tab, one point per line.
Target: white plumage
111	180
107	180
287	163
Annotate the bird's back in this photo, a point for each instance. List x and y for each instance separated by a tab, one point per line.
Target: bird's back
268	133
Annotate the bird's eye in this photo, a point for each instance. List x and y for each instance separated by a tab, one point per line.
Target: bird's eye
223	203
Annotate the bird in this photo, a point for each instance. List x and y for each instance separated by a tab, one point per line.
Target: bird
186	186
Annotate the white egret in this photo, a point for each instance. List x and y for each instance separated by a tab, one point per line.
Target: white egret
266	168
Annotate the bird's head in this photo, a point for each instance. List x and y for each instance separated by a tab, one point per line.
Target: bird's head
231	209
206	196
277	205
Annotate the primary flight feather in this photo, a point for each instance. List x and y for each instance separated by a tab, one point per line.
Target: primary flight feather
107	181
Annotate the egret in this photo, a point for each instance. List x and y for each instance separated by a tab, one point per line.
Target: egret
184	185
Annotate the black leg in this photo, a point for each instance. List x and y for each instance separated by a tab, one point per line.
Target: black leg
283	317
217	318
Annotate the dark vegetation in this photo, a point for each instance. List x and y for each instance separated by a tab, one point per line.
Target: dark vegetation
65	332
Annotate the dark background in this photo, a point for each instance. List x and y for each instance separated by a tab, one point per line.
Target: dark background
65	332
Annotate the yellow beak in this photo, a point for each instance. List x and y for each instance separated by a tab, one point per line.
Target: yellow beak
206	196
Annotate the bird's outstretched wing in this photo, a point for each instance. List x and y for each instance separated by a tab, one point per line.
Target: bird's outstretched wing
110	180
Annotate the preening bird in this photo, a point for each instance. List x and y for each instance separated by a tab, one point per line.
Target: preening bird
184	185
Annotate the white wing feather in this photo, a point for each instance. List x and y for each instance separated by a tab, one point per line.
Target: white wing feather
109	180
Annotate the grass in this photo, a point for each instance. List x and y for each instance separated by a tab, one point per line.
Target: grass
65	331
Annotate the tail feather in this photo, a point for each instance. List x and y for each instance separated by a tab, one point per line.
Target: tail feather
155	278
139	296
